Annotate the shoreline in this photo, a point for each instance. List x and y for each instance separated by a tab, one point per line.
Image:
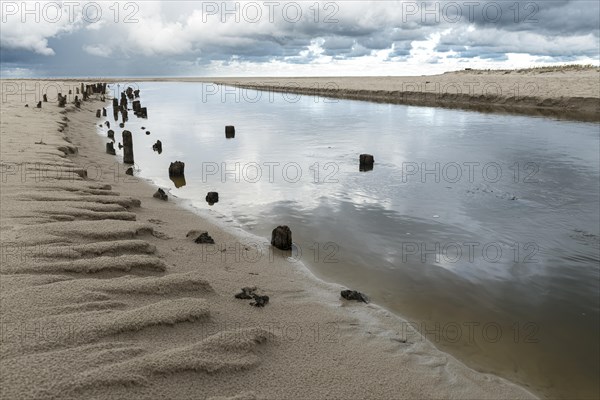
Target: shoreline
156	294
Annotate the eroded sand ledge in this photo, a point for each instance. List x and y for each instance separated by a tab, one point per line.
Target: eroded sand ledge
102	297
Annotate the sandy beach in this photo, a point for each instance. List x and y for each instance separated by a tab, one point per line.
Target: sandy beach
104	293
571	93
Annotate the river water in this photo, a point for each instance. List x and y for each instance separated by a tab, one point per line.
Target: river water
481	230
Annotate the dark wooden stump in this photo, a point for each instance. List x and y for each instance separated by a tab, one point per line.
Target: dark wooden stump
110	148
127	147
230	132
176	168
212	198
366	162
281	237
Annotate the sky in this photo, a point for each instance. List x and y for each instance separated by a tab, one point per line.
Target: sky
291	38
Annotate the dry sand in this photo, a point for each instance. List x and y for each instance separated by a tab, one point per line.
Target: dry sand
104	296
572	93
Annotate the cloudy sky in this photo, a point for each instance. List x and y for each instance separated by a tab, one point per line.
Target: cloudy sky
287	38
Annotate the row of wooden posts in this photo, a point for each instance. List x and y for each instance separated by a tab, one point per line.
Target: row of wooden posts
86	91
121	107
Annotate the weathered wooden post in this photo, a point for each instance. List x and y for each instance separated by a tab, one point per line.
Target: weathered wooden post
104	111
110	148
176	168
212	198
281	237
127	147
230	132
366	162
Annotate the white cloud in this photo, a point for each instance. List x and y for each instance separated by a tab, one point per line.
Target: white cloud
28	26
98	50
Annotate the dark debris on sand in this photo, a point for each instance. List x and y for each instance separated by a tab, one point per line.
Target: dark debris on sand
354	295
248	293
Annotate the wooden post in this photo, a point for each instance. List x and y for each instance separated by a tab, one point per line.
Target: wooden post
110	148
127	147
366	162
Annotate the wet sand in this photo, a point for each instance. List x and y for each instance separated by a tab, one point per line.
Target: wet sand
104	294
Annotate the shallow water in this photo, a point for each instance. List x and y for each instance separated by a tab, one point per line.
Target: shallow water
482	230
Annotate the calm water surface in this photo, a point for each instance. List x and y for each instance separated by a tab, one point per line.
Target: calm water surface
482	230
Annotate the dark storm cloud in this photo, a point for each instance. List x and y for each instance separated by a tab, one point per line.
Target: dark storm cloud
564	17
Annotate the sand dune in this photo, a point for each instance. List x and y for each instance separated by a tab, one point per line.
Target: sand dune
103	296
